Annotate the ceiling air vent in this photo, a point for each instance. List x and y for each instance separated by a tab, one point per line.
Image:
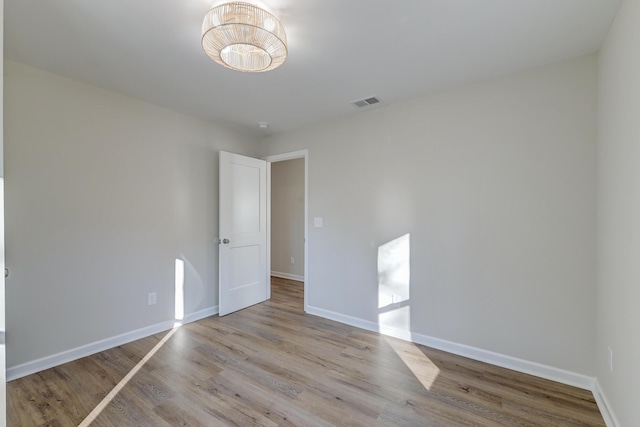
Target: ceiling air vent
366	102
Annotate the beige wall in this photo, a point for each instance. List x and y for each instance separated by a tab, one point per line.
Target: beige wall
287	219
619	215
495	183
103	193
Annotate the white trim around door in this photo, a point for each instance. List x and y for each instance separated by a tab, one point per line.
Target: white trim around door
302	154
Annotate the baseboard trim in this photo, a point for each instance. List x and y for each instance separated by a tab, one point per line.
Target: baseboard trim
287	276
497	359
48	362
199	315
605	407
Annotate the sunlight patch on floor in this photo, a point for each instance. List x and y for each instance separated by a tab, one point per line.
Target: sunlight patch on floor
114	392
420	365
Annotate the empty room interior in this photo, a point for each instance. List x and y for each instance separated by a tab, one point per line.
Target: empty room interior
364	213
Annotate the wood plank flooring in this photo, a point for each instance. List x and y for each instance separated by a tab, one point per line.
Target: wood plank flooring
273	365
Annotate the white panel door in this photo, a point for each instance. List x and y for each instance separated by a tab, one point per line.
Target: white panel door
243	232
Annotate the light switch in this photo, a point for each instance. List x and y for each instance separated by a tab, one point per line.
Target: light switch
317	222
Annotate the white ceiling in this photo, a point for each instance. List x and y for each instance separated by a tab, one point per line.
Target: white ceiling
339	50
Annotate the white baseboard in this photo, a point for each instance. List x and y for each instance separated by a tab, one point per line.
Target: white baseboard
520	365
199	315
497	359
605	407
287	276
38	365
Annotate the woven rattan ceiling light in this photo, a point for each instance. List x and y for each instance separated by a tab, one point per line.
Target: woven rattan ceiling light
244	37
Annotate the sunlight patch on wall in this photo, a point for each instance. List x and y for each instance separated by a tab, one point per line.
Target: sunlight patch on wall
394	290
179	290
394	308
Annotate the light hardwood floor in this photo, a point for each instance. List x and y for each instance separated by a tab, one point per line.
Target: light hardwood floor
273	365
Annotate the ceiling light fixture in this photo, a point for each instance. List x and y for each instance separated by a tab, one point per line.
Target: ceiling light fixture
244	37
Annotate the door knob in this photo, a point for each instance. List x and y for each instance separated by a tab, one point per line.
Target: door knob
225	241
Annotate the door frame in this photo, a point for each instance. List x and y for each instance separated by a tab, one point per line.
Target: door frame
301	154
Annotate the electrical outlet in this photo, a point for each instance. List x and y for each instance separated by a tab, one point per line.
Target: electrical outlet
293	261
151	298
610	359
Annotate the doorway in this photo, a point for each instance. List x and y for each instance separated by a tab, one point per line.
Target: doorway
288	218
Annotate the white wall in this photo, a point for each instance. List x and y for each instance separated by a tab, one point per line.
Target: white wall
3	389
619	215
495	182
287	218
103	193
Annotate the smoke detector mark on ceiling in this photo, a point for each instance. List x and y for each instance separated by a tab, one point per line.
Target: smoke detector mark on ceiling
366	102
